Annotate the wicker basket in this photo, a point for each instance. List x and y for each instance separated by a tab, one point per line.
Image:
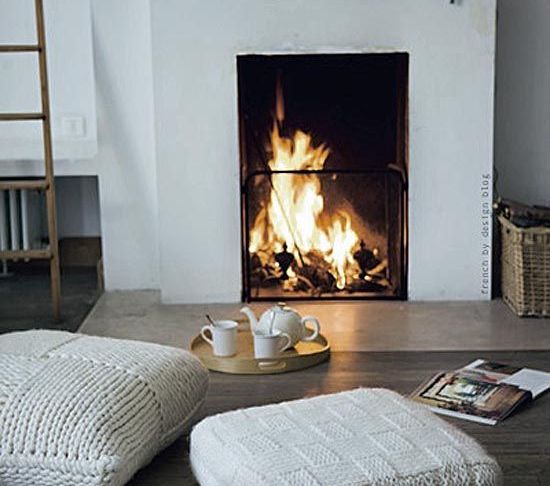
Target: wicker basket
526	269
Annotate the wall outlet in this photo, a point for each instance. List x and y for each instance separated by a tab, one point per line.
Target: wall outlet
73	126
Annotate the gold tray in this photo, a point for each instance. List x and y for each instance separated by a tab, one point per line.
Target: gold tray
304	355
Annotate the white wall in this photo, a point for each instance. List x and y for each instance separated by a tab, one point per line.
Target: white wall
126	157
522	126
71	76
120	54
451	129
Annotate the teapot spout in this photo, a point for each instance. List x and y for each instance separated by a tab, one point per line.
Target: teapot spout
247	311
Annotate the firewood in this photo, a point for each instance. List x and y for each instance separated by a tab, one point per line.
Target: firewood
523	214
320	278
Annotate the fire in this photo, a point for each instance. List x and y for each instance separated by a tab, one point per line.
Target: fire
294	214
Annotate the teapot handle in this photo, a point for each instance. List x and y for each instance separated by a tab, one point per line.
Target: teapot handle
316	326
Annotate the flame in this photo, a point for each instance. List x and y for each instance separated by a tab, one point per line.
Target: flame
294	214
279	101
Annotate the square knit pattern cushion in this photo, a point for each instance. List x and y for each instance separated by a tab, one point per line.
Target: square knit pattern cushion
359	437
83	410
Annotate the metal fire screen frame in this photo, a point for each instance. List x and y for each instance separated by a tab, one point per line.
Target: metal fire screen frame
246	224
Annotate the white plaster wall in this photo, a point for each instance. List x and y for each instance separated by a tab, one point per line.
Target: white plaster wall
522	126
126	158
119	51
71	76
451	129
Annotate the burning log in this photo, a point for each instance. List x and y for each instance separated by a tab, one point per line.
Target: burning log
318	273
379	271
316	276
261	273
360	285
318	279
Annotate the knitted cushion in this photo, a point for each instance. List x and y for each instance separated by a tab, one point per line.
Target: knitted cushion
82	410
360	437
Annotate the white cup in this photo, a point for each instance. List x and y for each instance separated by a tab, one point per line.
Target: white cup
270	344
224	337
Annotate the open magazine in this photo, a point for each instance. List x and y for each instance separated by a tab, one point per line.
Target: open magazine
483	391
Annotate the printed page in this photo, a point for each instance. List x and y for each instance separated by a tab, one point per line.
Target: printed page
534	381
461	394
491	371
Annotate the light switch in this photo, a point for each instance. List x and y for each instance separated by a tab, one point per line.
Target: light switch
73	126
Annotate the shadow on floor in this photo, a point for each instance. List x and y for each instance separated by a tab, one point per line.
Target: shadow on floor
25	298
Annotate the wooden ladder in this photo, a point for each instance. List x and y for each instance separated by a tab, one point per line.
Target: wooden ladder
46	184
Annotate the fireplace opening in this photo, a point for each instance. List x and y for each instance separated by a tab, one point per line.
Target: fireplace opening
323	146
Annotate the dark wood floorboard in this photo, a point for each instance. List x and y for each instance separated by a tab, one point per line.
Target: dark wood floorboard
521	444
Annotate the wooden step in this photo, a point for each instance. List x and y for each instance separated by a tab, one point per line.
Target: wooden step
39	184
21	116
25	254
20	48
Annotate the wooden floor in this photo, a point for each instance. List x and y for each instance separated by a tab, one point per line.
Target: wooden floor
521	444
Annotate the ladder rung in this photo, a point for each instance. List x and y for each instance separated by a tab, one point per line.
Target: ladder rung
24	184
25	254
20	48
21	116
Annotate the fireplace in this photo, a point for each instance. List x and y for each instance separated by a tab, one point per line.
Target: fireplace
323	150
197	71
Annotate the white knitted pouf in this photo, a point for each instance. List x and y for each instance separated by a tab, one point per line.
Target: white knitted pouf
82	410
360	437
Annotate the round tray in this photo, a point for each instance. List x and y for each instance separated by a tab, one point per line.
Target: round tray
304	355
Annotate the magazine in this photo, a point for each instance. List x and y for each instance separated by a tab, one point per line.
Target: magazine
482	391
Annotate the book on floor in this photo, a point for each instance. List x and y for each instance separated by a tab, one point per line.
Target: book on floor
482	391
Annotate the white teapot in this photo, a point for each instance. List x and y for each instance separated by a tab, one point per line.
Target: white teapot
282	318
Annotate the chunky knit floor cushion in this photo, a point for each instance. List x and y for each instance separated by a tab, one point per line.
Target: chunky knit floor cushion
360	437
82	410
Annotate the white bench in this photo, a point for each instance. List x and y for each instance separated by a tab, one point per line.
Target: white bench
360	437
82	410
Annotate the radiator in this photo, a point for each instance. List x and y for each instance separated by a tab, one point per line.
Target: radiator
20	219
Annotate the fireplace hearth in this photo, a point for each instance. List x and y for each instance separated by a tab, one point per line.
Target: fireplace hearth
323	143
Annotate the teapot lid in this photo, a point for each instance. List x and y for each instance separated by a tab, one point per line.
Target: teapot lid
281	307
